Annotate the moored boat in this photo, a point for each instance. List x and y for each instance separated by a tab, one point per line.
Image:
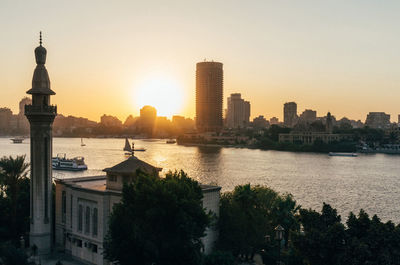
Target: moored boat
343	154
171	141
17	140
70	164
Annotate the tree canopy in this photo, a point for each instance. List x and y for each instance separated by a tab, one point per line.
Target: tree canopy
158	221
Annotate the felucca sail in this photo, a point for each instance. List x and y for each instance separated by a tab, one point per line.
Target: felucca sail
127	147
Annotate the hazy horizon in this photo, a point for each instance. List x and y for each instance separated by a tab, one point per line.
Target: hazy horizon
114	57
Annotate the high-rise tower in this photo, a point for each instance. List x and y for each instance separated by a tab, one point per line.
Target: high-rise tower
209	92
41	116
290	114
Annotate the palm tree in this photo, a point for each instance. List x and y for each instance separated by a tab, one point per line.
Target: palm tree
12	171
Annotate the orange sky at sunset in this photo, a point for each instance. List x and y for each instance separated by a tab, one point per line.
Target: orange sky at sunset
113	57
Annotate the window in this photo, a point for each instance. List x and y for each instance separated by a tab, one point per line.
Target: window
80	217
113	178
94	248
87	220
79	243
95	220
71	211
64	206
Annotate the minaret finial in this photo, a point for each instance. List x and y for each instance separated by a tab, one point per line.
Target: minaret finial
40	41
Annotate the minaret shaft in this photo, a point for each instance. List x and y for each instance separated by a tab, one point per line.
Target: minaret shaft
41	116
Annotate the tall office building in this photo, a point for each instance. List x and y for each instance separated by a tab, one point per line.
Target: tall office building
209	92
290	114
238	112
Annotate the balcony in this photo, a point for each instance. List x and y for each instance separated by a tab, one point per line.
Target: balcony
32	110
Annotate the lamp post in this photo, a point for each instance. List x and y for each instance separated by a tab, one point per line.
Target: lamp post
279	230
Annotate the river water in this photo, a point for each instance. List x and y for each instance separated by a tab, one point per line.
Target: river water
369	181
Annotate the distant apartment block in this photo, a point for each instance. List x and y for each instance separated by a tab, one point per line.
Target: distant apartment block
238	112
209	92
260	122
308	116
274	121
378	120
290	114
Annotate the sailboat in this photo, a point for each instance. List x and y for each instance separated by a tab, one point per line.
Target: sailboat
82	143
127	147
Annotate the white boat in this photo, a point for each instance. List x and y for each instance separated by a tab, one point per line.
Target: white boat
17	140
342	154
74	164
171	141
82	143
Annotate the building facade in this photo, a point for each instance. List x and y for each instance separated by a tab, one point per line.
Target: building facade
378	120
209	93
290	114
83	207
308	116
41	116
238	112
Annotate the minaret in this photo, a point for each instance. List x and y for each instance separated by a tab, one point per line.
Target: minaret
41	116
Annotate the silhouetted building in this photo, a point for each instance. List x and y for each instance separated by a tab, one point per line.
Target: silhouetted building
378	120
238	112
110	121
329	123
308	116
5	120
209	92
41	116
148	115
260	122
290	114
274	121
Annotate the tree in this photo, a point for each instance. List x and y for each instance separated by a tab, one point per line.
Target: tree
321	241
158	221
248	214
14	189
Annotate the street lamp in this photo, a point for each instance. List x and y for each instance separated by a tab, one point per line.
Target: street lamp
279	230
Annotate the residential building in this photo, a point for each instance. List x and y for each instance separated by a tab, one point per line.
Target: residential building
308	116
290	114
378	120
238	112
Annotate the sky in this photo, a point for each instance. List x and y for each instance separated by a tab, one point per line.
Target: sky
113	57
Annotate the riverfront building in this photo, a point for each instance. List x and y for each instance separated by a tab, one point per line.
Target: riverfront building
290	114
238	112
83	207
378	120
209	92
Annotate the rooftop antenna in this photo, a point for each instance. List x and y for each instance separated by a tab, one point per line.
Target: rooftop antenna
40	39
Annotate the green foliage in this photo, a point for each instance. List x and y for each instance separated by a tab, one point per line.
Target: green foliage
219	258
248	214
158	221
10	255
14	198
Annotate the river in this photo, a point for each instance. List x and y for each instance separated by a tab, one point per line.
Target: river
369	181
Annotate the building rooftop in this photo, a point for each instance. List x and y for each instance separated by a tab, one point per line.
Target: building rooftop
131	165
98	183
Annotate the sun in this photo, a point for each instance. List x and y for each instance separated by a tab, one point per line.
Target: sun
161	92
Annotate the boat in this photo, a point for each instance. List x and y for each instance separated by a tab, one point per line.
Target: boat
343	154
127	147
171	141
82	143
60	162
17	140
140	149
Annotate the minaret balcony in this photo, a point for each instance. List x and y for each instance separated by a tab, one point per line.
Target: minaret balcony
40	110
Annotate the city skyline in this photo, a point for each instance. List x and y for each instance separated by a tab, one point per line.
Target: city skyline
340	57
